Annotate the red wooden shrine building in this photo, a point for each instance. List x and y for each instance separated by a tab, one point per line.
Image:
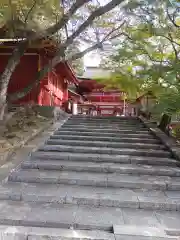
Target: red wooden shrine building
102	101
53	89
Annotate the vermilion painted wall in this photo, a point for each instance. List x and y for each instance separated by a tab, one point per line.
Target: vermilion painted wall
53	89
23	75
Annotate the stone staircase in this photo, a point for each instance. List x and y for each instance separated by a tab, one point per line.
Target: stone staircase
95	178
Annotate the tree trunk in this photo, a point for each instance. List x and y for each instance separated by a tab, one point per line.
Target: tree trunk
4	81
165	120
6	76
3	94
2	106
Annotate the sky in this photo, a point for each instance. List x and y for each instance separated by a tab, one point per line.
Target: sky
92	59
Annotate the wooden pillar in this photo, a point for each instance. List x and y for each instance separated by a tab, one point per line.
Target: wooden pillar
124	107
75	108
39	62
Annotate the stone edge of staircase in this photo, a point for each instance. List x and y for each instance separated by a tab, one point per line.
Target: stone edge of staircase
168	141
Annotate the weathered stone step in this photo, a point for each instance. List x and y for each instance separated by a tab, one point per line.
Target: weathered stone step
95	121
103	124
103	118
108	127
104	150
61	216
104	144
100	130
115	180
105	139
42	233
92	196
106	123
101	167
104	158
145	232
81	217
107	134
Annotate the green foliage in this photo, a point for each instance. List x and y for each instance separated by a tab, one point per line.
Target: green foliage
148	58
29	14
168	101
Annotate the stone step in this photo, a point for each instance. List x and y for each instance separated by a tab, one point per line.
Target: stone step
98	130
103	124
62	216
22	216
42	233
82	217
101	167
105	144
103	117
108	127
114	180
104	150
103	158
105	139
106	123
92	196
106	134
134	232
108	118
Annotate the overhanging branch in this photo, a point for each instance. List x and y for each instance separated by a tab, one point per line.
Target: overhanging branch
21	48
97	13
58	57
172	19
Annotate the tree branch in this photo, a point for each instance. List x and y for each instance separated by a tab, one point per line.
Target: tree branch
59	55
172	19
81	54
173	46
30	10
21	48
170	39
112	31
95	46
65	26
97	13
12	16
62	22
